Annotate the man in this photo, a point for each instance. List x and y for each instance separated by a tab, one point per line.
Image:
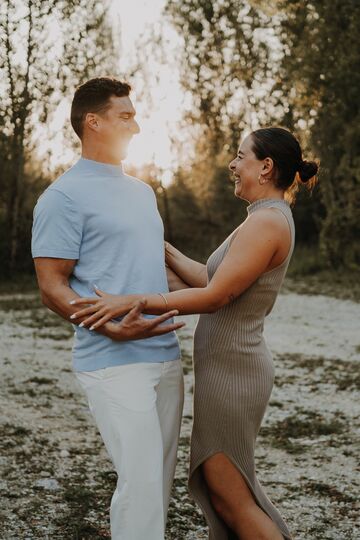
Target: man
97	227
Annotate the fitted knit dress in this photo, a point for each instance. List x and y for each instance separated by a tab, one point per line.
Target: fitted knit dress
234	376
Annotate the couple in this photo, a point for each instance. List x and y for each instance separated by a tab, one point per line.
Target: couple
97	229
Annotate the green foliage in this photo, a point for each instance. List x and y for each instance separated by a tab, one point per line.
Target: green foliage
320	81
199	225
222	60
47	49
222	66
230	61
290	63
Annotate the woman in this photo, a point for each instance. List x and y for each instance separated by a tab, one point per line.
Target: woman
233	368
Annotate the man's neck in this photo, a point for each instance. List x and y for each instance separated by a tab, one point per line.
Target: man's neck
100	155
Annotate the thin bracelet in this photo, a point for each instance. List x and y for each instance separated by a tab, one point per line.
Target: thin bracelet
165	299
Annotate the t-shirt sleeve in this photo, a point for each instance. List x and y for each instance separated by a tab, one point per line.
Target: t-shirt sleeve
152	195
57	227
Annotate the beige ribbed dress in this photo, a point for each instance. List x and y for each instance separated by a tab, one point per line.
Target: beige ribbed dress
234	375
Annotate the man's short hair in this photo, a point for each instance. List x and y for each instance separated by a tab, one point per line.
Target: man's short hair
93	97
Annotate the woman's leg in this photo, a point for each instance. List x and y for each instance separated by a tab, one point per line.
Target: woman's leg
234	502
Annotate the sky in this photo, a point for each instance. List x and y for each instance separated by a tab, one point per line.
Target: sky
158	116
158	121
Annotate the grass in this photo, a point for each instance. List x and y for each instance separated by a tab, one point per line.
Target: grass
344	374
308	273
58	336
21	283
82	502
186	360
42	319
41	380
10	430
304	424
326	490
25	303
306	261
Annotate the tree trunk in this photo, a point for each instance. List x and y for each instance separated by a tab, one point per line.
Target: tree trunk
14	207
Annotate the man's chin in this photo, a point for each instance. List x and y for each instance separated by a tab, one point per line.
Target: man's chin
123	152
237	191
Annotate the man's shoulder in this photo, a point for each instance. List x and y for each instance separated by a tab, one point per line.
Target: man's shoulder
67	183
140	184
68	178
60	191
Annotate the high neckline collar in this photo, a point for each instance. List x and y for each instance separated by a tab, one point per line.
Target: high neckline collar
265	203
99	167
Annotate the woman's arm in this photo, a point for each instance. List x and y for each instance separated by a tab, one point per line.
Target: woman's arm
56	294
175	283
190	271
257	244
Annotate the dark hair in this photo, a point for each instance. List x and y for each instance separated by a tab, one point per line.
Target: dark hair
93	96
284	149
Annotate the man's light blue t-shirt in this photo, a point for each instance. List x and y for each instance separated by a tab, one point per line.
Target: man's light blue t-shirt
109	222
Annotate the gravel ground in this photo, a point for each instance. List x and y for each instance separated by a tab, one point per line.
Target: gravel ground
56	480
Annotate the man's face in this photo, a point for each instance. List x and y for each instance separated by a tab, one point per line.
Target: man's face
117	125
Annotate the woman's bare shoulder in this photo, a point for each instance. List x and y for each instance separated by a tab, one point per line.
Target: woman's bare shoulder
267	217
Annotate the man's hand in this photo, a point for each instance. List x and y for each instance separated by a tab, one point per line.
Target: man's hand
56	294
135	326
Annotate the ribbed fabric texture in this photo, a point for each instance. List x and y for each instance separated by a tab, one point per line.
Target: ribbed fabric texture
234	376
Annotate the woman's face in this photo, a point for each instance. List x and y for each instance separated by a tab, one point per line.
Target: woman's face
247	169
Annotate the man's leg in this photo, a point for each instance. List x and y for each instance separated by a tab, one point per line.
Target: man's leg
170	400
122	400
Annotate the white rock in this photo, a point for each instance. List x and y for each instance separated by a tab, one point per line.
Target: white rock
48	483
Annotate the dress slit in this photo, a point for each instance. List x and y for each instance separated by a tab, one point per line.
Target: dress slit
210	515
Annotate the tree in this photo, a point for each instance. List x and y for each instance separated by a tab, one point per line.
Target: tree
225	67
47	48
224	58
319	79
289	63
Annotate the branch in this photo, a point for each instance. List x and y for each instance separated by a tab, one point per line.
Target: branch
25	92
8	63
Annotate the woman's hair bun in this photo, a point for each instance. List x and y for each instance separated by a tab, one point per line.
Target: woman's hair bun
307	170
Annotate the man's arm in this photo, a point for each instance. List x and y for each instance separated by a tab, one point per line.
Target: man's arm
53	279
56	294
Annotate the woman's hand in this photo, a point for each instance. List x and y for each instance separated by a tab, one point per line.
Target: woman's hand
103	308
191	272
175	283
134	326
168	253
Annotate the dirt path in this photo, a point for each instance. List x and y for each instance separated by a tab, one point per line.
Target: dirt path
56	480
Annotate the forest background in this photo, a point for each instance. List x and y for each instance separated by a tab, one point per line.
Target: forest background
240	65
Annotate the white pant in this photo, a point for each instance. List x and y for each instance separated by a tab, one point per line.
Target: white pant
138	408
